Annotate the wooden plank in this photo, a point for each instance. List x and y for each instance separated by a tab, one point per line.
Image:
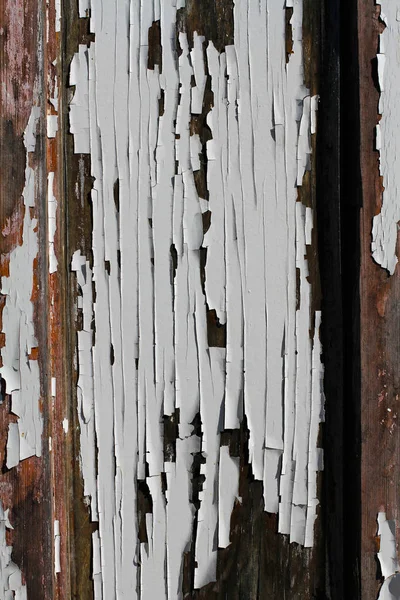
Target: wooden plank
77	222
379	294
176	333
25	487
330	244
276	565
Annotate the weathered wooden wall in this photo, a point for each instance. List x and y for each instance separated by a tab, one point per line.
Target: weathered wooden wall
26	482
187	195
379	293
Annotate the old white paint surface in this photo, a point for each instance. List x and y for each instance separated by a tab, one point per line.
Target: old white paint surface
388	559
387	554
57	547
385	224
20	372
52	224
154	325
11	586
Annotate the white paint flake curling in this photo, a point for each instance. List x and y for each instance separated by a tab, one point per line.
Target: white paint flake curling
390	589
58	15
52	126
387	554
20	372
11	586
85	381
57	547
79	107
10	575
52	223
388	560
385	223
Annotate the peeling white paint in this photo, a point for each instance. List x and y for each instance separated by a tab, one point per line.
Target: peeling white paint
385	223
387	554
150	355
12	446
197	59
96	565
79	105
217	151
309	225
378	140
85	382
314	108
58	15
390	589
52	126
388	559
54	101
11	585
57	547
53	386
20	372
180	512
30	131
84	7
228	492
52	223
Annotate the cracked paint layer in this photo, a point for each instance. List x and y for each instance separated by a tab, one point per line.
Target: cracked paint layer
52	224
388	560
173	243
20	368
385	223
85	381
390	589
11	585
57	547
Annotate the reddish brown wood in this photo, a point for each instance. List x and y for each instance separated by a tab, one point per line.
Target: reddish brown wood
25	488
380	330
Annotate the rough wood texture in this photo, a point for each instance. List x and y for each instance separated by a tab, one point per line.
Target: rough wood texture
379	296
90	184
25	489
77	216
109	75
254	532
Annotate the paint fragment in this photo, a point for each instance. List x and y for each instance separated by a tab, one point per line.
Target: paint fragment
85	382
57	547
390	589
58	15
12	446
79	108
52	223
228	493
388	559
387	554
52	126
